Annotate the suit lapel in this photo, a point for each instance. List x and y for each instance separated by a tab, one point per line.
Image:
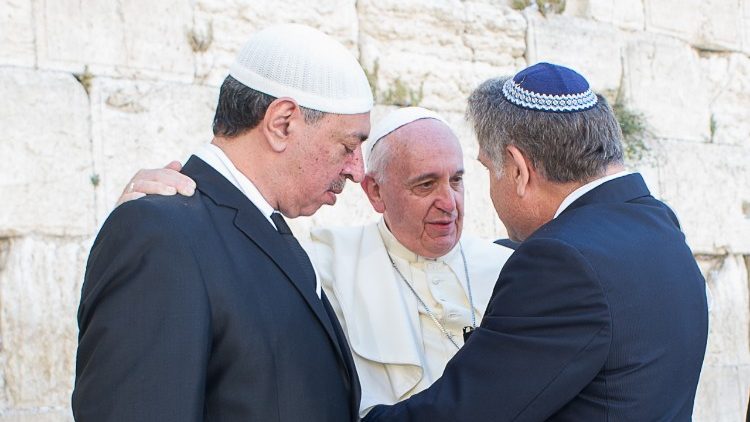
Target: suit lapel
250	221
351	370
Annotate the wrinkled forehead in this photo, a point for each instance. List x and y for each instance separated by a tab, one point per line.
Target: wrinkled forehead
424	145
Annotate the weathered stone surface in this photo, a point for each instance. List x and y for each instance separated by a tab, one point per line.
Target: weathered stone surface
45	178
16	33
745	24
663	80
722	393
707	186
727	279
728	79
724	383
627	14
593	49
144	125
117	38
435	53
714	24
225	25
40	283
38	415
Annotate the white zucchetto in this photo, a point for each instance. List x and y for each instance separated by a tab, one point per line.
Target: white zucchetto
396	119
306	65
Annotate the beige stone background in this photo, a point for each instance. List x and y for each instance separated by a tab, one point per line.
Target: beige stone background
90	91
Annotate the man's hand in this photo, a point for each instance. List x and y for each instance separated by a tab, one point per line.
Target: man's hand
163	181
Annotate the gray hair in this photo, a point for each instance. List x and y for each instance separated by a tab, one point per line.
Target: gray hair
241	108
378	159
564	147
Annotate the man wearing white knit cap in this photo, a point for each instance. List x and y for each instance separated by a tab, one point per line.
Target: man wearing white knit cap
206	307
403	287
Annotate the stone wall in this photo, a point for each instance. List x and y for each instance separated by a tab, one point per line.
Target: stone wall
90	91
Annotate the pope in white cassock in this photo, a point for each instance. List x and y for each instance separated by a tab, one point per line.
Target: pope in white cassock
403	287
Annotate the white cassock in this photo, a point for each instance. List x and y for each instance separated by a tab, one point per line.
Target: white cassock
397	348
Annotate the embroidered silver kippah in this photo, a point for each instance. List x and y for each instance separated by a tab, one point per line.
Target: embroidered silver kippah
524	98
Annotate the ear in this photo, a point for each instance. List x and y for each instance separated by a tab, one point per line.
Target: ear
519	169
372	190
278	121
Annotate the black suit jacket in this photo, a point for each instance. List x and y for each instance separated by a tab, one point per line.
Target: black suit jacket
193	309
599	315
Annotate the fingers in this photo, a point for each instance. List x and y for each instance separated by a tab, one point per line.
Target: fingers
125	197
151	187
163	181
174	165
168	177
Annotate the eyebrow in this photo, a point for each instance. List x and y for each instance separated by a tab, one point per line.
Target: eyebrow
426	176
360	136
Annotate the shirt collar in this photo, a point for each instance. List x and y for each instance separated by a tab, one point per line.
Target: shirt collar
587	188
395	248
217	159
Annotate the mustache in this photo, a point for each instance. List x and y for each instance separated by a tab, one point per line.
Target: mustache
338	185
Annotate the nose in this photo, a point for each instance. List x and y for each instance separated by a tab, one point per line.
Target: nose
446	198
354	169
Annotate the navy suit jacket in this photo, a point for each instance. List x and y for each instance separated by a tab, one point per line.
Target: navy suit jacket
599	315
193	309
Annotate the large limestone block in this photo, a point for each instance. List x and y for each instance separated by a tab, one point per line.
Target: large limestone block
713	24
116	38
724	383
45	179
745	26
728	342
722	393
663	80
707	186
144	125
591	48
728	78
16	33
626	14
40	282
222	27
434	53
36	415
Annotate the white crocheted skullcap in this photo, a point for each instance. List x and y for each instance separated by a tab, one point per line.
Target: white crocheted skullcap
396	119
306	65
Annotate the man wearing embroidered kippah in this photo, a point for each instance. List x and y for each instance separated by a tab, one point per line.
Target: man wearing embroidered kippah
404	288
206	307
601	312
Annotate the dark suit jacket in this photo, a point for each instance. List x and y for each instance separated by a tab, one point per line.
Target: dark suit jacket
193	309
599	315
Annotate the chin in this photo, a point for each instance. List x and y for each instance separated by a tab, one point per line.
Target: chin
442	249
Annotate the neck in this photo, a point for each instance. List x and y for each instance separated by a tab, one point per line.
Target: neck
557	192
253	161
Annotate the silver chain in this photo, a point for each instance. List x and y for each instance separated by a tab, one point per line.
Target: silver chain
427	308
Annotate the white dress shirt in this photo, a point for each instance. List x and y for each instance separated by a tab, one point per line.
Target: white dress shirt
216	158
587	188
